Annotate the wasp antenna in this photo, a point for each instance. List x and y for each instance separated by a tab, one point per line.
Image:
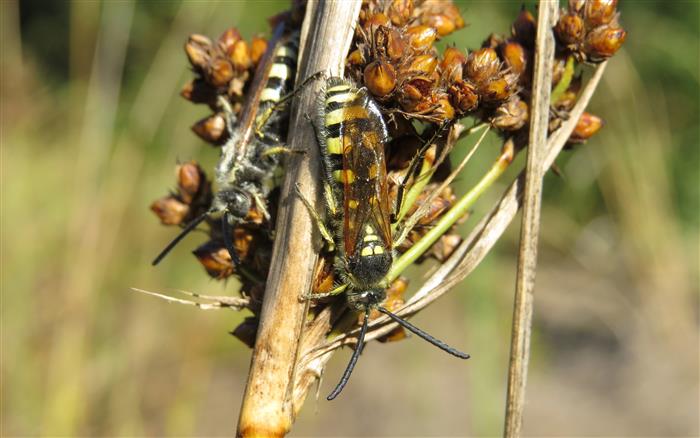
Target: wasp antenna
353	359
412	328
185	231
228	239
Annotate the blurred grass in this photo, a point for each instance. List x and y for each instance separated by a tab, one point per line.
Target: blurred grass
91	126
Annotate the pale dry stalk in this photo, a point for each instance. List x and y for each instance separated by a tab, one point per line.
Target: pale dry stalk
529	232
267	402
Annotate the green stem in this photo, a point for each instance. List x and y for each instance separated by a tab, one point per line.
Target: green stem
451	217
565	80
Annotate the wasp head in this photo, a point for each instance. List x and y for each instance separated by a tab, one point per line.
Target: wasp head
234	201
368	298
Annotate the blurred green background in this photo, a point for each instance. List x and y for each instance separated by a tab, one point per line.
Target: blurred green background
91	127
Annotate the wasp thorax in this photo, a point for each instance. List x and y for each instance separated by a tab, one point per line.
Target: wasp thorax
369	264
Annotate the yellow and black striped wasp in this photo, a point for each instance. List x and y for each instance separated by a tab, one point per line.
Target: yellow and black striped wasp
352	136
250	156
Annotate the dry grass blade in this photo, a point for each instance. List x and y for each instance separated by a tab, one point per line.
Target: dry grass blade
529	232
209	302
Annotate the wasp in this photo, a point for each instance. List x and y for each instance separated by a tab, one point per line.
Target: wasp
250	156
352	135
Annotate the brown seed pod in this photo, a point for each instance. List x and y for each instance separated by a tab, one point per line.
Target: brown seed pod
414	94
515	57
603	42
380	78
190	179
355	58
587	126
170	210
443	15
421	37
219	72
424	64
400	11
199	91
599	12
258	46
211	128
389	42
197	49
570	30
482	66
451	64
394	301
376	20
463	96
576	6
512	115
499	89
239	54
246	331
215	259
228	39
445	246
443	108
524	28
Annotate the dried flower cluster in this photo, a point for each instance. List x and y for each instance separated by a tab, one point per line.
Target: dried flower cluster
394	56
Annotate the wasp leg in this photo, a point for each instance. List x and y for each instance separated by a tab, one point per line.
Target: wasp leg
325	233
274	150
260	204
229	115
336	291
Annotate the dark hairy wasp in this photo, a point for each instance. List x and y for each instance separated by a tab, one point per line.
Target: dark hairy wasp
249	158
352	135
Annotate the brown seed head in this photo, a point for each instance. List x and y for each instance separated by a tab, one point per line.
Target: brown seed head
603	42
189	180
421	37
197	49
258	46
170	210
444	16
500	88
599	12
400	12
228	39
515	57
444	109
220	72
215	259
355	58
424	64
570	29
511	116
452	63
199	91
482	65
380	78
463	96
376	20
211	128
587	126
576	5
239	54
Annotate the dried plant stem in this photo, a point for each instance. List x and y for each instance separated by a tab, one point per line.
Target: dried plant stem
267	408
529	232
